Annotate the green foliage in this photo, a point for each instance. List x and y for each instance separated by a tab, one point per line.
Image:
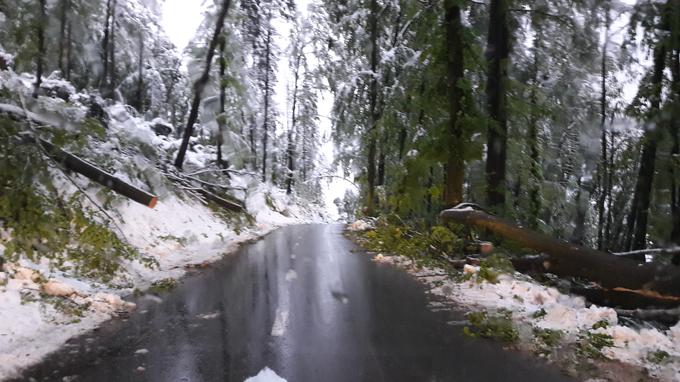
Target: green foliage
539	314
602	324
658	357
546	340
495	326
45	224
590	344
66	306
180	240
163	285
493	266
427	248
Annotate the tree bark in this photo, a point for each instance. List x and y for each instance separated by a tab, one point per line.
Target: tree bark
63	20
374	57
105	46
267	95
100	176
69	51
455	164
534	149
498	52
293	124
42	19
112	52
603	166
382	157
637	220
223	100
200	85
140	75
572	260
675	139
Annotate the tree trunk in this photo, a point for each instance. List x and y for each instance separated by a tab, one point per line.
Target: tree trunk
253	149
374	58
200	85
63	20
105	46
140	75
675	149
98	175
267	95
381	159
498	52
534	149
112	51
69	51
603	166
223	107
42	19
610	202
579	234
293	124
455	164
570	260
637	220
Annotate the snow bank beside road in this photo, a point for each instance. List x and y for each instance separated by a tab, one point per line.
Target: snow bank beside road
546	308
176	233
44	304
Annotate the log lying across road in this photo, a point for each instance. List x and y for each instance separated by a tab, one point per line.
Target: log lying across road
565	259
100	176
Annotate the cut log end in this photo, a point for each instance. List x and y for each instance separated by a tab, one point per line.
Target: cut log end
153	202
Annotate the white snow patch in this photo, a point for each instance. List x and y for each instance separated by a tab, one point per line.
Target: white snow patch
280	323
360	225
265	375
291	275
570	314
209	316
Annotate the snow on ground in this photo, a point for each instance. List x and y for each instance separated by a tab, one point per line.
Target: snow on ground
38	301
570	314
266	375
177	233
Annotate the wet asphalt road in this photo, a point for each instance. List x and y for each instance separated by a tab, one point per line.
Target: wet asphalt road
304	302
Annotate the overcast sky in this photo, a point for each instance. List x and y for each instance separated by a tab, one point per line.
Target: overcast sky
180	20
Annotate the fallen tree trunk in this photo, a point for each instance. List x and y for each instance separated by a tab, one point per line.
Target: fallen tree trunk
100	176
567	259
73	163
224	203
666	316
185	183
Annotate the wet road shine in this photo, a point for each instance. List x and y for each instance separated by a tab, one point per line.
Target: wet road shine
306	303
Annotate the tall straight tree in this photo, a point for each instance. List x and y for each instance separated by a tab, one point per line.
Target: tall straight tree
105	48
223	100
675	121
675	139
268	88
40	57
296	64
497	53
373	112
455	166
603	166
199	86
637	219
64	7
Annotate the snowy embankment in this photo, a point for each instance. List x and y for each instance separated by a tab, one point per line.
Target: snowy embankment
45	304
538	306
